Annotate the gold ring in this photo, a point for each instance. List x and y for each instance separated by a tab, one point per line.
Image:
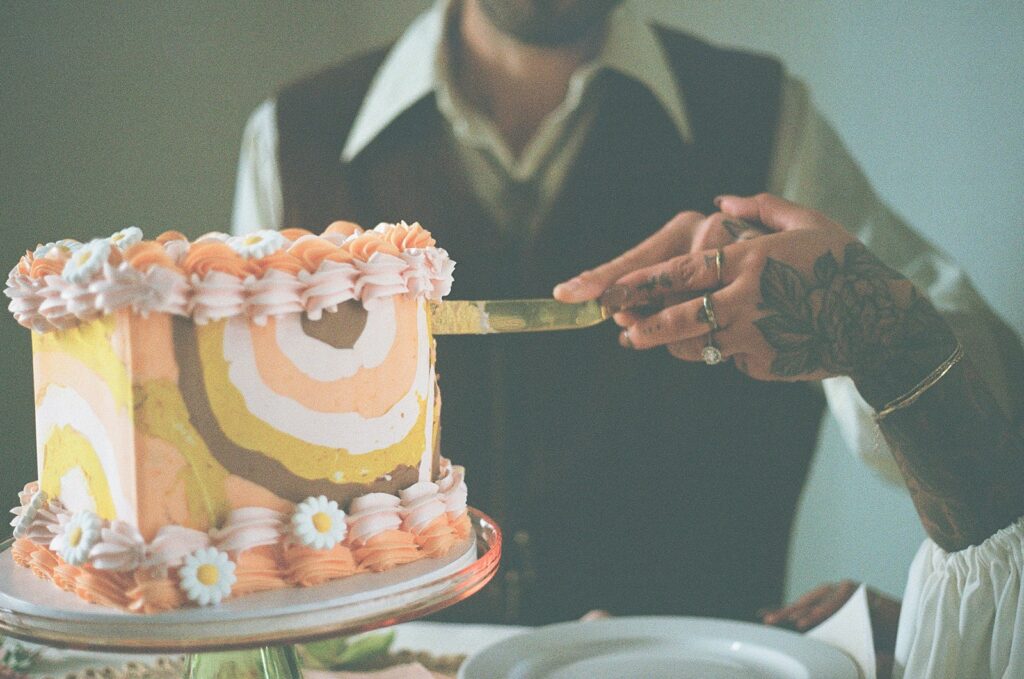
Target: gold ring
719	264
707	313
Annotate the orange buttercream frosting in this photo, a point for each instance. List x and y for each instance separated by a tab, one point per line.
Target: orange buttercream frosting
308	567
405	237
257	570
65	575
367	244
22	551
312	252
437	538
295	233
103	587
202	258
386	550
461	525
43	563
281	261
25	263
45	266
144	255
170	235
152	592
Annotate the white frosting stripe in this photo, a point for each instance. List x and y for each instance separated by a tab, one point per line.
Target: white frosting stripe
351	431
64	407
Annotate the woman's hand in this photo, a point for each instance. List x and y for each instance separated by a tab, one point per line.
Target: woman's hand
804	302
816	606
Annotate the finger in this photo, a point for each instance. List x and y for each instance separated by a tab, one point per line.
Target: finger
776	213
809	599
827	606
688	350
680	277
681	322
818	614
720	229
624	319
670	240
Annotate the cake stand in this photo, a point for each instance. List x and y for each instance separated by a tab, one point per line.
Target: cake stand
251	636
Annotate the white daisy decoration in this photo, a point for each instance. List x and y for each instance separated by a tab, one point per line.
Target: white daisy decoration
65	245
25	515
207	576
125	238
258	244
77	536
319	523
86	261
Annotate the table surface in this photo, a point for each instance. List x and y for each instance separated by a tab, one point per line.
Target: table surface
438	638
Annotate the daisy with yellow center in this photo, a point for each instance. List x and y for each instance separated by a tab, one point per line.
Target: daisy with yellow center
77	536
86	261
61	249
319	523
258	244
125	238
207	576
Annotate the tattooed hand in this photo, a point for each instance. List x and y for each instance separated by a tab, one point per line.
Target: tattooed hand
805	302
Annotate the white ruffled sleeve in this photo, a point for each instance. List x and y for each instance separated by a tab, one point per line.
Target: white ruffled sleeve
963	612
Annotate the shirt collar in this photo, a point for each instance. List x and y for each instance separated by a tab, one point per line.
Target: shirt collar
410	72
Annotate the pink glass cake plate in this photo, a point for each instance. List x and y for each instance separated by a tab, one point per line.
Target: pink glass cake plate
251	635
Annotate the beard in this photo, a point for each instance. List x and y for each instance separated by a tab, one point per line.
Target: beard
548	23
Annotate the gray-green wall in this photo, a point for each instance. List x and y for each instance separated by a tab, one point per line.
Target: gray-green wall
124	113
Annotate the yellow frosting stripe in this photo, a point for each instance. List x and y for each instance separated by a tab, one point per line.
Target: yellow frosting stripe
161	412
64	450
306	460
92	344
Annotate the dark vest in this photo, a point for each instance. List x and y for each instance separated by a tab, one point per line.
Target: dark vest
624	480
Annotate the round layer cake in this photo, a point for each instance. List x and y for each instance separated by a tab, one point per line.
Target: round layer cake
233	414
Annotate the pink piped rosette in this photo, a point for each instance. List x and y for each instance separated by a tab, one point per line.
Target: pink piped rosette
259	275
378	541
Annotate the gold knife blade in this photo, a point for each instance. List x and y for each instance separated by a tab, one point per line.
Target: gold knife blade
481	317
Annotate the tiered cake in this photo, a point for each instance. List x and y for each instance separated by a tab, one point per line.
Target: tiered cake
233	414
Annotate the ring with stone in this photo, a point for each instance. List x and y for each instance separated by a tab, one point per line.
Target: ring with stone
711	354
706	314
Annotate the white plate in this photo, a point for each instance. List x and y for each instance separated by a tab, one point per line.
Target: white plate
659	648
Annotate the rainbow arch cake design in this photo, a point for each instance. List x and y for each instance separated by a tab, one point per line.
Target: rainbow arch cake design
233	414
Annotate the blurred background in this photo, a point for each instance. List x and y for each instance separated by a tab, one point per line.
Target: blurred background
119	113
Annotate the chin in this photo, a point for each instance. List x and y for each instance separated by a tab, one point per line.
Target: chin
548	23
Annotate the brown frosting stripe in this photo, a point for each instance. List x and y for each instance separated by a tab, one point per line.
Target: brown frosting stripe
253	465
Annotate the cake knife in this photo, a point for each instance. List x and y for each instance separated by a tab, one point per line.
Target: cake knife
481	317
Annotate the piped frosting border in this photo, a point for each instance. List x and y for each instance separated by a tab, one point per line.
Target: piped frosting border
255	549
217	276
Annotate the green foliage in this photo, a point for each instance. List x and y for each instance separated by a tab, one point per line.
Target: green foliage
346	652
